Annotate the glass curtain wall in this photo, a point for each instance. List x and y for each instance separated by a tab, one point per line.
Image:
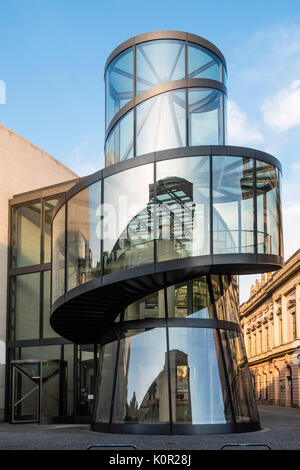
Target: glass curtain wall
196	206
83	225
128	227
160	122
198	374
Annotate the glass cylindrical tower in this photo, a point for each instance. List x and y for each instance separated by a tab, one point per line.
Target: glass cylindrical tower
145	252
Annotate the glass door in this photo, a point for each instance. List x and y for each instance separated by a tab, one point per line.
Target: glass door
25	392
37	391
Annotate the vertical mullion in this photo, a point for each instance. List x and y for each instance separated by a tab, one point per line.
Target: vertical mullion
239	226
255	207
134	95
278	221
187	138
75	380
212	301
211	204
168	359
41	316
101	230
41	312
154	214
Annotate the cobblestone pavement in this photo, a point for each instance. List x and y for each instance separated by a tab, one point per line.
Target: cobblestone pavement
280	429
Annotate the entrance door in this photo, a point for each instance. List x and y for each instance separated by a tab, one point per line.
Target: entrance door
37	391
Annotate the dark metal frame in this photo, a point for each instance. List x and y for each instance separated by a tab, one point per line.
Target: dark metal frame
167	323
184	83
154	35
106	294
13	346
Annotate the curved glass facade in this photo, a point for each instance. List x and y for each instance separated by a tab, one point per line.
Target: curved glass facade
187	207
196	374
156	62
151	242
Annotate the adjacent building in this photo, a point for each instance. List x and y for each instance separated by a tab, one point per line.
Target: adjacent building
271	325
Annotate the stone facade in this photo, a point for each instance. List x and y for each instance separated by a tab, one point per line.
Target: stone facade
271	326
23	167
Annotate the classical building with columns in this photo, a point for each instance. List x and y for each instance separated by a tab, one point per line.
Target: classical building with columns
271	325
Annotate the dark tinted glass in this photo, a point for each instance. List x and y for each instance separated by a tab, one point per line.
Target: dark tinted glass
26	235
239	378
58	261
25	306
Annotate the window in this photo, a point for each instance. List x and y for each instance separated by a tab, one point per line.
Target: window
118	84
26	234
158	62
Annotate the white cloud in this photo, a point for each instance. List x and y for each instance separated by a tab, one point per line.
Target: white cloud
282	110
240	130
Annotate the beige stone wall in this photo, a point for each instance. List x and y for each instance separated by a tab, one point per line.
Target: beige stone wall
23	167
271	325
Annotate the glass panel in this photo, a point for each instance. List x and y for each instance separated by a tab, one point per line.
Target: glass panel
49	205
202	307
128	226
159	61
26	235
118	83
205	117
41	352
198	386
119	145
105	378
233	205
84	236
151	306
86	379
203	63
230	294
160	122
58	262
25	306
25	397
141	394
177	296
69	382
182	193
267	209
239	377
48	332
215	280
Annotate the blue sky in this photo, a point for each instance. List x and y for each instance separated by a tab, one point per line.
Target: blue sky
53	54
